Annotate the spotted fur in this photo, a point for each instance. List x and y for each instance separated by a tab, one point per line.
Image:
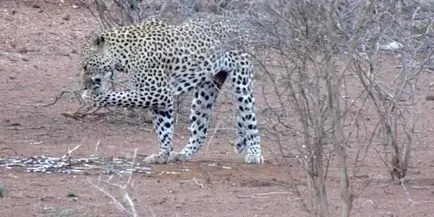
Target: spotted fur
165	60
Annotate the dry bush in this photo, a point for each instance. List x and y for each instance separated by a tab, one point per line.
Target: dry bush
406	31
323	85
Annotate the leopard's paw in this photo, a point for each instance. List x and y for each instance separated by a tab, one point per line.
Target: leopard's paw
160	158
175	156
254	159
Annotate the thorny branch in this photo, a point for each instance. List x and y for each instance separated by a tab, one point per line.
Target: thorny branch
127	206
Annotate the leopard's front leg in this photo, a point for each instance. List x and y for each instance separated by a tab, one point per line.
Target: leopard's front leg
159	101
163	125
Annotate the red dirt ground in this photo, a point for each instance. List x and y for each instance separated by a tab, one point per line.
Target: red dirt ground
38	59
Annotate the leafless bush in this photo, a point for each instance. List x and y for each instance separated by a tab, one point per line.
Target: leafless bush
113	13
306	79
323	81
406	29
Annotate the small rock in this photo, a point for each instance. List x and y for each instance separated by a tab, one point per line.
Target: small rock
73	35
429	98
212	164
23	50
3	191
14	124
36	6
67	17
71	195
65	54
394	45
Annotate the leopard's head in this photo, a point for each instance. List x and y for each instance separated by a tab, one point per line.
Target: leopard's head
96	62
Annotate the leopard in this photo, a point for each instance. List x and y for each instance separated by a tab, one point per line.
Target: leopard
164	60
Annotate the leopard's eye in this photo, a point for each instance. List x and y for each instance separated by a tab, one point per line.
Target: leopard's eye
97	80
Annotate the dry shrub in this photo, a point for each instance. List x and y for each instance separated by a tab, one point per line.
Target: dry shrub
323	86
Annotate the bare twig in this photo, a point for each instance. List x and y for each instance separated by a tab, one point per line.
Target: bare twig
129	208
256	195
58	97
68	154
410	202
197	183
97	145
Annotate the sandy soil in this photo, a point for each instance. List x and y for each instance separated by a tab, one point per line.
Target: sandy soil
38	60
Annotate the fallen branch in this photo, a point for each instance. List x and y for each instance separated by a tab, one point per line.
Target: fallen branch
256	195
11	149
83	112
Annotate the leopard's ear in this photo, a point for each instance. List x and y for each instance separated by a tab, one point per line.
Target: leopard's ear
97	43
